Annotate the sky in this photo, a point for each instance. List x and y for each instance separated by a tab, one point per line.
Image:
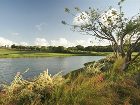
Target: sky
38	22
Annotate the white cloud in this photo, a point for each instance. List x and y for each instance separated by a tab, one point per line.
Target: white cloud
15	33
85	43
23	43
40	26
84	18
91	42
61	42
66	43
41	42
81	19
4	42
112	13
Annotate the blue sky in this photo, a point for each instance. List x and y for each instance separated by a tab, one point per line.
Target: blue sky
27	20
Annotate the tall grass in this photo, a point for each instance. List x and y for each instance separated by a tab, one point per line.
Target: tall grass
95	88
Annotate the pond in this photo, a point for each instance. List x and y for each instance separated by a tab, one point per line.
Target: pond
10	66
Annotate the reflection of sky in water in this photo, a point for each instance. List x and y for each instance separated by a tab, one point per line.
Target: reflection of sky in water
9	67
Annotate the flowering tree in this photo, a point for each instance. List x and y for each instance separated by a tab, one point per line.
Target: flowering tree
111	25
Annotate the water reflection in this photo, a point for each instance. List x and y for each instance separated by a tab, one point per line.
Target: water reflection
9	67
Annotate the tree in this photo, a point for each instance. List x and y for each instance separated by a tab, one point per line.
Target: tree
43	48
13	46
72	48
80	47
113	26
89	48
60	49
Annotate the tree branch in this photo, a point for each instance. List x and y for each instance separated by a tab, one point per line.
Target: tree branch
136	56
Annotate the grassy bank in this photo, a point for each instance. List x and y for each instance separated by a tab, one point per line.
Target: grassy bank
9	53
100	83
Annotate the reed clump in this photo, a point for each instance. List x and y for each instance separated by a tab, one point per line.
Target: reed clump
92	86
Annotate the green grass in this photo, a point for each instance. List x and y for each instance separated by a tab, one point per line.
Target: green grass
9	53
101	53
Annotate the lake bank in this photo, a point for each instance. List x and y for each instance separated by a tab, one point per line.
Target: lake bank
8	53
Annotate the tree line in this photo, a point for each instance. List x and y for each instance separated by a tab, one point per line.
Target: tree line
62	49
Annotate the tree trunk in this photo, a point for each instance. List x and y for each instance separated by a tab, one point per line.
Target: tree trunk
125	64
121	47
128	60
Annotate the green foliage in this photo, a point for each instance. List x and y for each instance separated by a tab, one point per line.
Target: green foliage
111	25
62	49
79	47
12	53
118	64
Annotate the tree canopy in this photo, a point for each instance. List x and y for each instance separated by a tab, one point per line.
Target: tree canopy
111	25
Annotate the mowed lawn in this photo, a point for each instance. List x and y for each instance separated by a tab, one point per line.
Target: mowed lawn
9	53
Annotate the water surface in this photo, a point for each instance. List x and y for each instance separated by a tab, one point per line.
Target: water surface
10	66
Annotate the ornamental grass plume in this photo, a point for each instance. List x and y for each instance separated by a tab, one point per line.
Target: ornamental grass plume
21	91
87	88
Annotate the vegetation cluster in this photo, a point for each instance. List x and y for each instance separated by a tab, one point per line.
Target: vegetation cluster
114	80
12	53
62	49
96	84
